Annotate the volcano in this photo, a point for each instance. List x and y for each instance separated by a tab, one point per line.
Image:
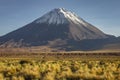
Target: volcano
57	28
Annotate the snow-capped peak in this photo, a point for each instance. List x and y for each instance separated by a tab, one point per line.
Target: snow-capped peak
60	16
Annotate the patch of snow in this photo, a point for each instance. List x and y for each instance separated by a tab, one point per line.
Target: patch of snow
60	16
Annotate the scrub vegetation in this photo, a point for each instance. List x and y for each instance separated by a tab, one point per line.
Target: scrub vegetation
35	69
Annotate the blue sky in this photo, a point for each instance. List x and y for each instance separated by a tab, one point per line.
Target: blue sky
104	14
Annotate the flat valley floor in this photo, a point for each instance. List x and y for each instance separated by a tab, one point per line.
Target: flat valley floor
60	65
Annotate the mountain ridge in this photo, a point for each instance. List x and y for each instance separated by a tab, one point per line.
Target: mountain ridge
57	28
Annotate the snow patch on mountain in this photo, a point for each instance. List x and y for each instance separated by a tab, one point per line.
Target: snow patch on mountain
60	16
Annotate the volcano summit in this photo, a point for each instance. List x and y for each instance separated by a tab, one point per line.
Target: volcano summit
57	28
72	26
